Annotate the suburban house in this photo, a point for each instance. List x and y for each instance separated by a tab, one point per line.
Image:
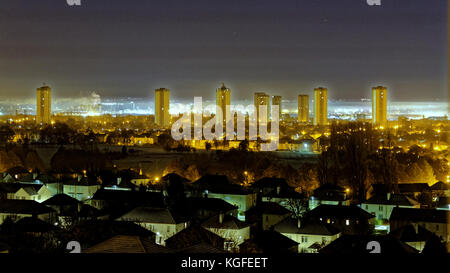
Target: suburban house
66	207
14	174
436	221
204	208
310	235
266	215
17	209
440	189
162	221
230	228
36	192
381	206
218	186
329	194
442	203
81	188
277	190
413	235
348	219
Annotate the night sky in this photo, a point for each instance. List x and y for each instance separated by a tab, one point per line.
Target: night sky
287	47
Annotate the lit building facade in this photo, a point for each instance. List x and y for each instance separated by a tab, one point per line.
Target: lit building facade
261	99
162	101
276	100
223	98
303	108
43	105
379	106
320	106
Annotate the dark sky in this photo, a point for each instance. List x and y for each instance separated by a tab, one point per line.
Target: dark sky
286	47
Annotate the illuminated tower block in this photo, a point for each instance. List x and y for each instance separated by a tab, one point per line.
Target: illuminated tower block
222	100
303	108
43	105
162	100
320	106
379	106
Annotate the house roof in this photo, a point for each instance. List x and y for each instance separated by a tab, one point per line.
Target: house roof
23	207
210	204
152	215
32	224
84	181
333	211
270	241
44	178
270	182
443	202
357	244
408	233
228	222
127	244
394	199
310	227
151	198
194	235
413	187
31	189
420	215
440	186
268	208
17	170
61	200
219	184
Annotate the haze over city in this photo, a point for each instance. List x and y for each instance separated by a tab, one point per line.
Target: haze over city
130	48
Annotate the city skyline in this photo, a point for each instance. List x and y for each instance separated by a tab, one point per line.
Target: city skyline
277	49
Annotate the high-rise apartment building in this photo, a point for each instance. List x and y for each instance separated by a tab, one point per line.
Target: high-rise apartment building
222	100
379	106
320	106
303	108
162	102
276	100
43	104
261	98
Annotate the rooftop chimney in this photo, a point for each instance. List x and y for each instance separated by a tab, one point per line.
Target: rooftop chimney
388	196
79	177
221	215
119	179
278	190
416	228
299	223
35	175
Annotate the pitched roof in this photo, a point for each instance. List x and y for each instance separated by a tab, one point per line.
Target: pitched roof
269	241
210	204
152	215
228	222
420	215
61	200
151	198
440	186
23	207
357	244
408	233
268	208
394	199
310	227
194	235
219	184
270	182
413	187
31	189
127	244
32	224
44	178
333	211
